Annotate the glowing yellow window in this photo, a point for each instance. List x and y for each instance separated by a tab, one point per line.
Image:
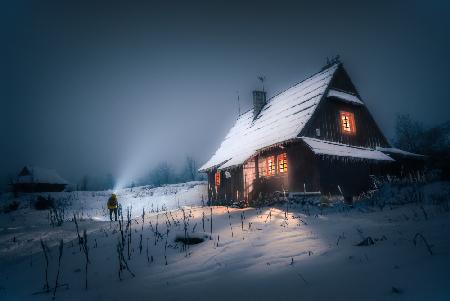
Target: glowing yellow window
348	122
262	165
217	178
282	163
271	166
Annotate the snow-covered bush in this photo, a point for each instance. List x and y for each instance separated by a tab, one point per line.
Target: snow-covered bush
395	193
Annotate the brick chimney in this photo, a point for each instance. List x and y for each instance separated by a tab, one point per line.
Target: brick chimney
259	101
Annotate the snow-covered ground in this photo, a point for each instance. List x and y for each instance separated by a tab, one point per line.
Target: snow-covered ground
273	253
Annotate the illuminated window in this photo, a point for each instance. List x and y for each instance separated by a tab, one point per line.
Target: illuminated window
271	166
217	178
282	163
262	166
348	122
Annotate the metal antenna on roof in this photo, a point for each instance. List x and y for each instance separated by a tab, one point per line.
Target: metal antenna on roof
239	104
331	61
262	78
335	59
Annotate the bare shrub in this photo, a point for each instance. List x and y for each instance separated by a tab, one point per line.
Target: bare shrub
415	240
61	245
45	251
56	216
86	254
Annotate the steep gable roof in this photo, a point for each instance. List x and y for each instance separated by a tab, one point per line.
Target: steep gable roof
281	119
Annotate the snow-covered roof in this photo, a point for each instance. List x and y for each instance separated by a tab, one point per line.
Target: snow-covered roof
40	175
281	119
393	150
344	96
321	147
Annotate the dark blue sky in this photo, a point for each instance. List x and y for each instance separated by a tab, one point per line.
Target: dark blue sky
104	86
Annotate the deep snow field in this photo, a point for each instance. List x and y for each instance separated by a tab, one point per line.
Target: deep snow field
294	252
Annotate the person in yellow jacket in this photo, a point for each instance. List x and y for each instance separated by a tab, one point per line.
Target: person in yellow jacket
112	206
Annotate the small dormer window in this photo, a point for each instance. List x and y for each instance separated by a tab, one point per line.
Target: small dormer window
347	122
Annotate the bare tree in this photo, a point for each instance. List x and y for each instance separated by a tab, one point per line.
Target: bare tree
109	181
162	174
191	169
408	133
84	183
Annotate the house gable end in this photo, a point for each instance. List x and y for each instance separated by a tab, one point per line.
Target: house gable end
326	123
341	81
24	172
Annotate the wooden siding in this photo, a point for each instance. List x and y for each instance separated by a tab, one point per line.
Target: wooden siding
303	170
327	120
270	184
229	190
38	187
249	176
406	166
351	177
307	172
342	81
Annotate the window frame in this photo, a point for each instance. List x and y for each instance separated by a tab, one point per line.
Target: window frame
217	179
262	167
282	168
271	169
350	120
269	166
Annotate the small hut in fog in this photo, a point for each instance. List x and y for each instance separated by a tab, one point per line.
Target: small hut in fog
37	179
315	137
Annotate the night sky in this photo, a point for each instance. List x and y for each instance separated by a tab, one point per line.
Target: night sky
98	87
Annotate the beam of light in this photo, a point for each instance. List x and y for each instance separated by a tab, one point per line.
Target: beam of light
133	169
135	166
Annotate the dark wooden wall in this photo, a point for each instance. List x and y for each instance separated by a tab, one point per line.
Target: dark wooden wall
352	176
250	173
307	172
342	81
327	119
268	185
38	187
303	171
406	166
229	190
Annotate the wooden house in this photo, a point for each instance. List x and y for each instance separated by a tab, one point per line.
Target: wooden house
316	137
37	179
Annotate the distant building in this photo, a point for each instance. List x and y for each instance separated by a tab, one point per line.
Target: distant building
315	137
36	179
